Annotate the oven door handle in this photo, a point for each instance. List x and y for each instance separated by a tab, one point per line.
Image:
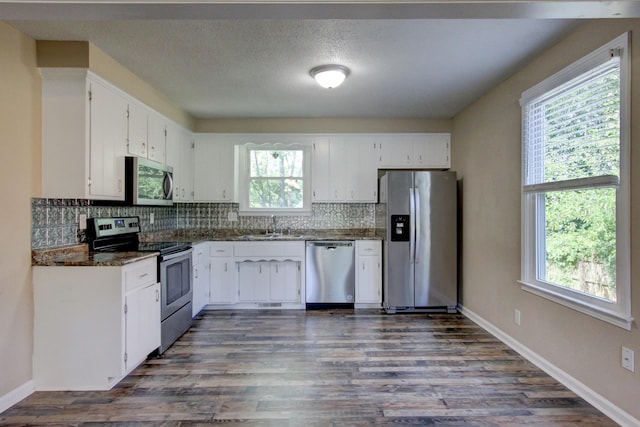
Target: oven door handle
169	257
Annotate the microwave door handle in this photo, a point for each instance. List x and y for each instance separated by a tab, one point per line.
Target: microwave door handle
167	185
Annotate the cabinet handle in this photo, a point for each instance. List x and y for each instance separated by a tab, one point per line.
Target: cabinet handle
143	275
224	194
276	268
363	265
157	295
225	267
183	193
260	269
195	273
119	186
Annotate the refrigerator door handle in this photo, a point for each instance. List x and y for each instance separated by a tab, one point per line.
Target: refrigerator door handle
412	223
417	221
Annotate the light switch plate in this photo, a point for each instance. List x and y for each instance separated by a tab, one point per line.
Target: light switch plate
232	216
152	218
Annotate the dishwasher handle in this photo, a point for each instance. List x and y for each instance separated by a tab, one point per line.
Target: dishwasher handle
331	246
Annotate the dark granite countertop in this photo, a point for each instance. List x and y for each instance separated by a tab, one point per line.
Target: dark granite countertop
196	235
79	256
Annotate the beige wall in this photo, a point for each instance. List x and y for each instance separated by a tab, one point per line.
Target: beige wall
82	54
19	151
487	154
335	125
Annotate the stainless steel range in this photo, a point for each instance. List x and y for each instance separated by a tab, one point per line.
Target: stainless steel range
120	234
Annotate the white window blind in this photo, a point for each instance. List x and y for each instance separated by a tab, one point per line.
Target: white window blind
571	133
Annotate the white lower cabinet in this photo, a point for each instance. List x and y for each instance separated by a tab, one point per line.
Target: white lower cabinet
369	272
201	275
142	323
253	281
284	281
269	281
222	279
93	325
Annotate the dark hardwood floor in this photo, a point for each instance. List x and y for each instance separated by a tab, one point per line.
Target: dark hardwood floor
323	368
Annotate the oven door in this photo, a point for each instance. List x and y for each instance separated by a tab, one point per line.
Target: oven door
176	281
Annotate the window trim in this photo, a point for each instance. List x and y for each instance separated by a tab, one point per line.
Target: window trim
242	157
617	313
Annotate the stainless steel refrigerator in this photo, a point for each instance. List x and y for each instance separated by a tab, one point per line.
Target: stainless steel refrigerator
420	243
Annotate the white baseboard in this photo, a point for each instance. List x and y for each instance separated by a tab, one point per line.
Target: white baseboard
16	395
607	407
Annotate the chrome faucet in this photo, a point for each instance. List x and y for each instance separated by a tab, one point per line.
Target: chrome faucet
274	223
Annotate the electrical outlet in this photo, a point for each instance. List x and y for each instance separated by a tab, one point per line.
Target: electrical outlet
152	218
82	222
516	316
232	216
628	357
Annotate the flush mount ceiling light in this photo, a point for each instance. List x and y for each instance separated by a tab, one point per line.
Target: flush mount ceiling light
329	76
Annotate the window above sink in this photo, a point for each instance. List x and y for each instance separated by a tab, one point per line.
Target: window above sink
274	179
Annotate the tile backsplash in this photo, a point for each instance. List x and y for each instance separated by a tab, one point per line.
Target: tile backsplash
55	221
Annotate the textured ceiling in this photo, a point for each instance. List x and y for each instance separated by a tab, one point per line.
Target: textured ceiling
420	58
260	68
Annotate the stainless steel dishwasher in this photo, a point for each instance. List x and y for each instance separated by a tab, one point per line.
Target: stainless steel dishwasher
330	273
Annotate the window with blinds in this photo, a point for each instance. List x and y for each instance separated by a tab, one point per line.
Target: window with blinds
572	133
575	185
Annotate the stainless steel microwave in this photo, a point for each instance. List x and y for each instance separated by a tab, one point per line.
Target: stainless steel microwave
148	183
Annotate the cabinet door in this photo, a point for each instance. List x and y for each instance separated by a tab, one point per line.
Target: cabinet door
222	281
186	172
200	287
224	179
396	151
142	324
321	170
361	176
150	318
253	281
329	165
137	129
172	156
369	271
107	139
432	151
213	169
368	288
284	281
157	133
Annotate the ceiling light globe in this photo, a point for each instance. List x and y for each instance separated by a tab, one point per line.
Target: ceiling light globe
329	76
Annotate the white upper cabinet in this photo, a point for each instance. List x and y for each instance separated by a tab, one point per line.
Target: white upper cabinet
84	133
137	129
179	155
361	172
147	132
422	151
344	169
213	169
157	137
328	166
431	151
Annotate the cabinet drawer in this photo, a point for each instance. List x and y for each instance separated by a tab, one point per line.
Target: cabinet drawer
200	253
368	247
222	249
140	274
